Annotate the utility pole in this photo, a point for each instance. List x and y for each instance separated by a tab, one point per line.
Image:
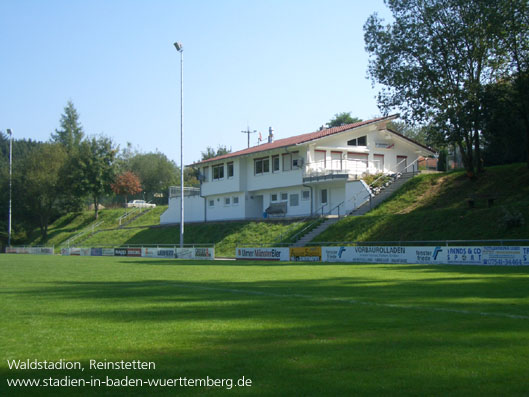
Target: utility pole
10	185
249	132
180	49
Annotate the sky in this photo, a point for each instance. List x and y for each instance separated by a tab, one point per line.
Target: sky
291	65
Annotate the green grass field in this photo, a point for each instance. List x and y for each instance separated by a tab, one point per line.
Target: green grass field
293	329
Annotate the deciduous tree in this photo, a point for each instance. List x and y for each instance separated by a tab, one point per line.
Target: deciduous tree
433	62
341	119
126	184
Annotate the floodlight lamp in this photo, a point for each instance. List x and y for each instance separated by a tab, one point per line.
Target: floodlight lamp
178	46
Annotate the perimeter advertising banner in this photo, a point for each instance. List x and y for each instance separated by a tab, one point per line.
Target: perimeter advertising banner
30	250
497	256
202	253
305	254
271	254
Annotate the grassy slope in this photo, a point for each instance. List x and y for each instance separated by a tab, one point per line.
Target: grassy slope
71	224
434	207
225	235
295	329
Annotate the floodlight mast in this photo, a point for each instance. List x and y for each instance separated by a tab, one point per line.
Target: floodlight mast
10	185
180	49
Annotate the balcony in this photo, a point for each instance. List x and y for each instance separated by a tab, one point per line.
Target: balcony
174	191
340	169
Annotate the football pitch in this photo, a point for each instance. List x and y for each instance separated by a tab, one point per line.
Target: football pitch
138	326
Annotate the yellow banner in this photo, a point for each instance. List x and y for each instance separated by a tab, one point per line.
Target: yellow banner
305	253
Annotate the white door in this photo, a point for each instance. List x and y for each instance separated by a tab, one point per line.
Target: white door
402	163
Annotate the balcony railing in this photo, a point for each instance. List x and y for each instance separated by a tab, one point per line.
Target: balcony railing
174	191
336	169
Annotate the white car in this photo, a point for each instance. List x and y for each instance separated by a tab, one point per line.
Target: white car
140	204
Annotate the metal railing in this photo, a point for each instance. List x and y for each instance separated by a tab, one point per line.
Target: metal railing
341	167
83	232
174	191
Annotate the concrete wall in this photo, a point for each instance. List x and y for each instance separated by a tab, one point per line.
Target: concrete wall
357	193
193	210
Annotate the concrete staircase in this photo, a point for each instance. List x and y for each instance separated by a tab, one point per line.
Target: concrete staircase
314	232
382	195
375	201
139	214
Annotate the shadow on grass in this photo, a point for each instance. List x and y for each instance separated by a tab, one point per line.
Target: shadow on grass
294	337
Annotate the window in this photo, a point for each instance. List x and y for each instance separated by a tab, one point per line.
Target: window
357	162
291	161
227	201
262	166
379	162
319	158
205	174
218	172
336	160
284	196
273	197
287	162
305	195
236	201
296	163
230	170
211	203
360	141
275	163
324	196
294	200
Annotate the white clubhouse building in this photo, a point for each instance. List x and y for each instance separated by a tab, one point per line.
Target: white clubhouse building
309	174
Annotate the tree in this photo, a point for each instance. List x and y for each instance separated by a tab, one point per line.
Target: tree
513	21
71	132
42	187
94	171
433	62
342	119
417	133
23	219
210	152
155	171
504	130
126	184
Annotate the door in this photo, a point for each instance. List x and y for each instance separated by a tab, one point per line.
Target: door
402	163
323	200
379	162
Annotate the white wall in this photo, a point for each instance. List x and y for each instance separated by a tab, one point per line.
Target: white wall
222	211
303	207
357	193
193	210
224	185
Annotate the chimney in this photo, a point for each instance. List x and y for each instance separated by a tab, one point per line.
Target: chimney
270	135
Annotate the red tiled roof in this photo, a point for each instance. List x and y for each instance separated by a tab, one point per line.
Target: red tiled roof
295	140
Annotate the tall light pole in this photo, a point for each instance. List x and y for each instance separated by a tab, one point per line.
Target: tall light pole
180	49
10	184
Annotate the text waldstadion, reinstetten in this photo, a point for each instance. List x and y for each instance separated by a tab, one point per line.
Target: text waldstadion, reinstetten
76	365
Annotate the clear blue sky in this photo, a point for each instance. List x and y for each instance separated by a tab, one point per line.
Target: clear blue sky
287	64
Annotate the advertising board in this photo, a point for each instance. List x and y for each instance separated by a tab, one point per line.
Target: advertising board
189	253
268	254
204	253
306	254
